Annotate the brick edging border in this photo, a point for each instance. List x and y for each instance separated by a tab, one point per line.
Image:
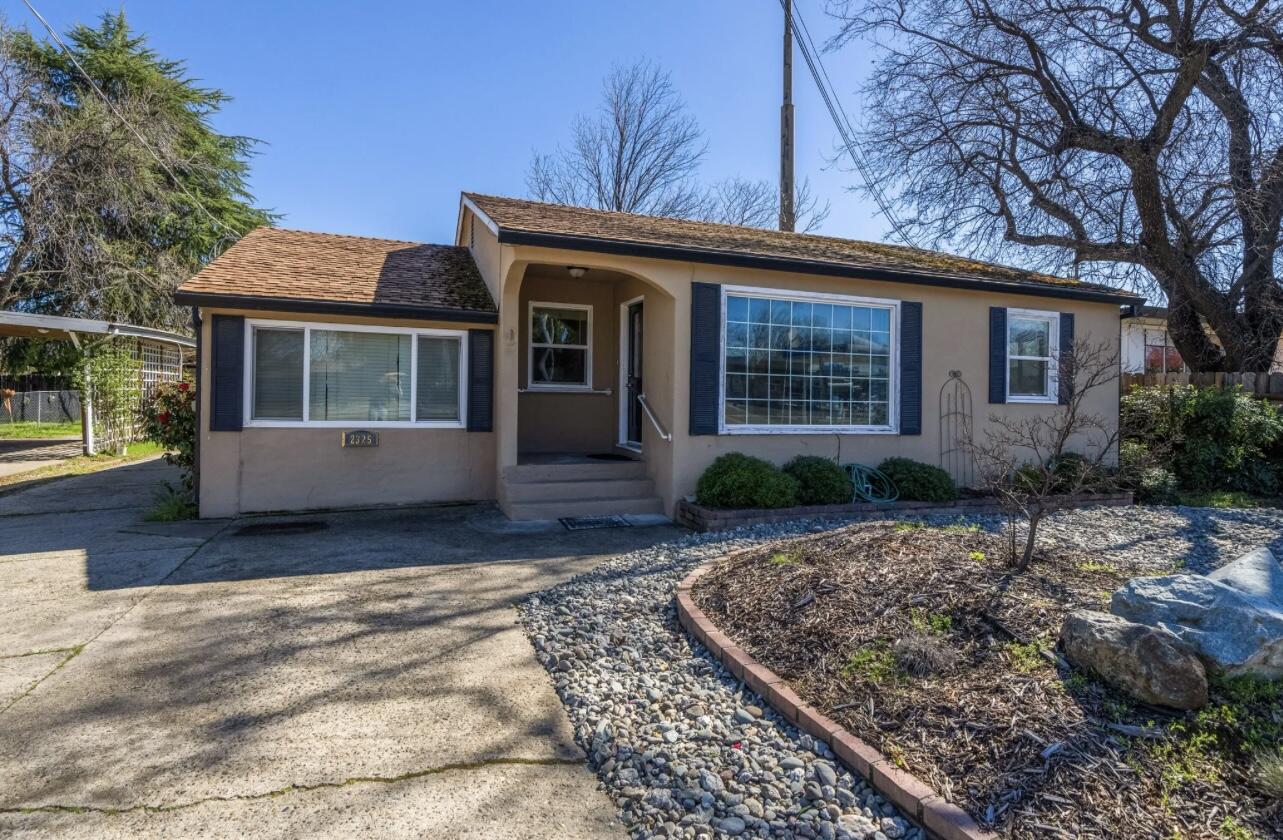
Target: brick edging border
699	518
907	792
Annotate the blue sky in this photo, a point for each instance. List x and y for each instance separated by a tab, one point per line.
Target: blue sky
375	115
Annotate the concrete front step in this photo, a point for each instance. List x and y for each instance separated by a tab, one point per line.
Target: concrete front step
603	471
582	507
556	491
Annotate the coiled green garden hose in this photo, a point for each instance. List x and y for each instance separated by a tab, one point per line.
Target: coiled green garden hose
870	484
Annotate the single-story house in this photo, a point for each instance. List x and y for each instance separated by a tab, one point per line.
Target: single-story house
1147	343
1148	347
566	361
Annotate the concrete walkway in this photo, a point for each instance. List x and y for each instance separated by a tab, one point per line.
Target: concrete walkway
342	675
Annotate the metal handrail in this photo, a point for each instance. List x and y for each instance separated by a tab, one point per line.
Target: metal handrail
663	435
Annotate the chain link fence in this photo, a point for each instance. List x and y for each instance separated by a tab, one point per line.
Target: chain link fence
39	407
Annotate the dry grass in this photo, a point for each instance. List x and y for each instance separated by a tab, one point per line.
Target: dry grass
922	641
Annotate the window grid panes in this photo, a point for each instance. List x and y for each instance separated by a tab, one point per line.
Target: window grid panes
354	376
560	338
812	363
1031	341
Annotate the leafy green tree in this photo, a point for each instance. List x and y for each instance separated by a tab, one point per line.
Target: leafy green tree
91	222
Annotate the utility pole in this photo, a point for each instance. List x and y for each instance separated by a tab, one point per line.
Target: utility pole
788	214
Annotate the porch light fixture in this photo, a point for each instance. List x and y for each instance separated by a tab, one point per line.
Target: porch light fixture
576	271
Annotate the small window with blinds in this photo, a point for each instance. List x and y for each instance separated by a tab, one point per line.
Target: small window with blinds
336	375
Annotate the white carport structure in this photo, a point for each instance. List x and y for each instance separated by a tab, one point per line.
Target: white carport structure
159	351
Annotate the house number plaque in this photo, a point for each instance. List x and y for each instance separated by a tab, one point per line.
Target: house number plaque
360	439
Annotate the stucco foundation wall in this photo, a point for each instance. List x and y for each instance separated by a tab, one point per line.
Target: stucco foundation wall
271	469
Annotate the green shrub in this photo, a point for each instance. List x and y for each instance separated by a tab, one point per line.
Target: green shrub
741	481
919	482
1211	439
819	481
1157	486
1070	473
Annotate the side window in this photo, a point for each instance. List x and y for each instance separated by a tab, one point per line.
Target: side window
1032	339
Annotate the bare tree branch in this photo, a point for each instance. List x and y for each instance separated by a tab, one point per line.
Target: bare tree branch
1138	141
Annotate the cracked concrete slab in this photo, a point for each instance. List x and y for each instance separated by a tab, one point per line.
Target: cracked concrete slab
368	644
19	673
510	801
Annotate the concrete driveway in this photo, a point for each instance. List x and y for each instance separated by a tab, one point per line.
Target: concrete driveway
19	455
339	675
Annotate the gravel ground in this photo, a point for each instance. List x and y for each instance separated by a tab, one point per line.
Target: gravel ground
686	750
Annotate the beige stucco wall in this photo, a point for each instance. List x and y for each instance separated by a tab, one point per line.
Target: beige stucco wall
955	337
570	421
268	469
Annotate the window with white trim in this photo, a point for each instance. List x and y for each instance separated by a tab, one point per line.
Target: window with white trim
339	375
1033	340
795	362
560	349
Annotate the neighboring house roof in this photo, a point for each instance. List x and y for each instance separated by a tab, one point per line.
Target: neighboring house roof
521	222
1157	312
294	270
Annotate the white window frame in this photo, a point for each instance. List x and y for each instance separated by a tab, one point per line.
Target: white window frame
306	328
554	387
893	387
1053	360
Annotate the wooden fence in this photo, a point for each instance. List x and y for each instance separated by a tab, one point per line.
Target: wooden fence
1267	385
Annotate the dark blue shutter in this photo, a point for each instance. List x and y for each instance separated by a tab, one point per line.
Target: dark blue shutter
480	380
706	357
910	368
1066	357
997	354
227	373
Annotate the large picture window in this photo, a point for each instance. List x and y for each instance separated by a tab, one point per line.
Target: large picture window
808	363
322	374
1032	347
560	346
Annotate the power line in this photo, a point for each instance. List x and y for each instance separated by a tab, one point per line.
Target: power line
828	93
111	106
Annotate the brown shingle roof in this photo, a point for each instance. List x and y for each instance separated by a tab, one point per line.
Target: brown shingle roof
343	272
530	222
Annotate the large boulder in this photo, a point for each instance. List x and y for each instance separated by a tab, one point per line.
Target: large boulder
1233	618
1147	663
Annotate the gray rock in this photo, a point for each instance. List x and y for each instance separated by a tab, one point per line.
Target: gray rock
1148	663
733	826
1233	618
825	773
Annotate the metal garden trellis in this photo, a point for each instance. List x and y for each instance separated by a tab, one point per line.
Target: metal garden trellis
955	430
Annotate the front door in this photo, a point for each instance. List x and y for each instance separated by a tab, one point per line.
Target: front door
633	374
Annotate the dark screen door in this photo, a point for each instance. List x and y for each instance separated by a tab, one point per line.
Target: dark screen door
633	384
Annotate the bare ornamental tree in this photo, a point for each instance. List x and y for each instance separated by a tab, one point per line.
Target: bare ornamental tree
641	153
1029	461
1139	138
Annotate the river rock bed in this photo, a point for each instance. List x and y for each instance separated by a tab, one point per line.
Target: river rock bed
685	750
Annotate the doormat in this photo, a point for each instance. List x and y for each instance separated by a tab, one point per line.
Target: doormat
586	523
609	456
280	528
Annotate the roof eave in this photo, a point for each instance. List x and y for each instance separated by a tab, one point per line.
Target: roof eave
509	236
335	307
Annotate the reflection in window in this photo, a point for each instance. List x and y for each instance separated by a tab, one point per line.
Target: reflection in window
807	363
1031	350
559	345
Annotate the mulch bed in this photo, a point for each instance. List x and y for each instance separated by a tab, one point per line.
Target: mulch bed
922	641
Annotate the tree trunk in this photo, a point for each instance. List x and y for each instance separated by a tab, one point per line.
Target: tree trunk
1027	557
